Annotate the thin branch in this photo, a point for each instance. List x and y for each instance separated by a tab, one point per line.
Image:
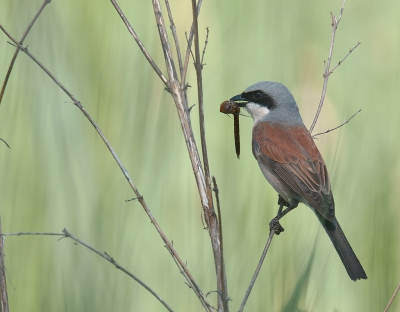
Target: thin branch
175	35
3	281
335	24
191	52
224	292
341	125
204	49
198	67
213	227
391	300
253	280
342	60
32	233
172	75
5	143
104	255
119	267
186	64
124	171
275	228
25	50
139	43
3	89
216	191
188	282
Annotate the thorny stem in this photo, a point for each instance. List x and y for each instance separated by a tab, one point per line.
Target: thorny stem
335	24
204	49
342	60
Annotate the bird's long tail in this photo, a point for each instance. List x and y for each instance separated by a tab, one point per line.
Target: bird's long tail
343	248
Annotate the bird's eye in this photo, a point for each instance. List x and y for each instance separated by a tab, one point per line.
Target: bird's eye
258	95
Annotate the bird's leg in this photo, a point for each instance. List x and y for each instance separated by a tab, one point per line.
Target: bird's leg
289	208
274	224
282	203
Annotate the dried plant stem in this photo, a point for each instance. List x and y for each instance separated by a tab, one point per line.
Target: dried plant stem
335	23
33	234
342	60
253	280
119	267
198	66
341	125
191	52
3	282
3	89
213	226
204	49
175	35
187	55
124	171
328	72
139	42
67	234
222	272
216	191
391	300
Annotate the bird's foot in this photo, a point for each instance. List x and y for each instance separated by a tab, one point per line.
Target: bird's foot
275	226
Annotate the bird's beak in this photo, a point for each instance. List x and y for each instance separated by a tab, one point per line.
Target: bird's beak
239	100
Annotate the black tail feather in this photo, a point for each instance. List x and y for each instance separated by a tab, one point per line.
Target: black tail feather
343	248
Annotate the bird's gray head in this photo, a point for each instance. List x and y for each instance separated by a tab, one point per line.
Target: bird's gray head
270	101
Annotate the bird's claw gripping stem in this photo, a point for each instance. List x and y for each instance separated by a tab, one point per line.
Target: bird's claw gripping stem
275	226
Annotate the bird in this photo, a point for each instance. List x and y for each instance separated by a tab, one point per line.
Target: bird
291	162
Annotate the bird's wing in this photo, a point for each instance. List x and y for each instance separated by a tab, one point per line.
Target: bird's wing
292	154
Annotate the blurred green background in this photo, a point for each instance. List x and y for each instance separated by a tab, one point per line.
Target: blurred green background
58	173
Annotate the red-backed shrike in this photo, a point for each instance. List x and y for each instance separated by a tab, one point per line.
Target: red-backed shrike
291	162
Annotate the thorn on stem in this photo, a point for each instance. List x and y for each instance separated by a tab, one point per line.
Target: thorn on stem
139	198
190	108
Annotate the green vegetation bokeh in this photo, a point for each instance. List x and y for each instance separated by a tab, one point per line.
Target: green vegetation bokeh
58	173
